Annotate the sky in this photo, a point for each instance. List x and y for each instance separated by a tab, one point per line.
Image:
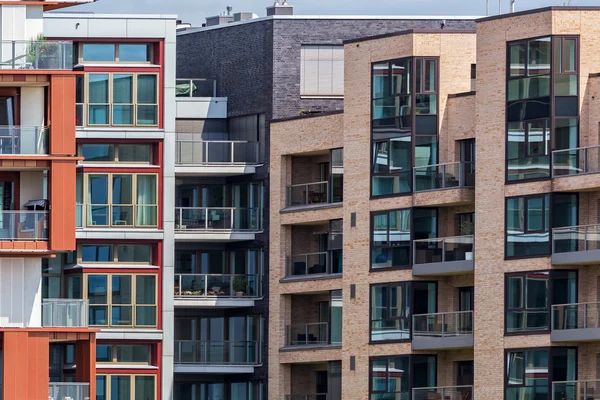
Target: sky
195	11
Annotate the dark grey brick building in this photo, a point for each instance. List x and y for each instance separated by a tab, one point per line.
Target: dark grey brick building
257	66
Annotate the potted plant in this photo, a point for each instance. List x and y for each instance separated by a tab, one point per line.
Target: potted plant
467	228
240	286
43	54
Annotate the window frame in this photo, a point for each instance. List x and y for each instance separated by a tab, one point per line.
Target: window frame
109	195
410	370
114	353
116	60
116	159
545	206
131	382
115	247
111	104
372	246
109	302
334	47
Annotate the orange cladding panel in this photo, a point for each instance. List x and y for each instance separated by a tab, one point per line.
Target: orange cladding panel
26	359
85	352
62	115
62	190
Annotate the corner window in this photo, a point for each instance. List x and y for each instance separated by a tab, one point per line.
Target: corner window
116	153
390	239
322	70
395	377
116	53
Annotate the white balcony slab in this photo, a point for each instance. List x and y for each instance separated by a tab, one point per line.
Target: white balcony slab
119	233
214	170
214	369
228	302
130	334
213	236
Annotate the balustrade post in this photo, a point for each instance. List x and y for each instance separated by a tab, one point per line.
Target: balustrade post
585	315
306	264
306	189
444	250
14	54
206	218
461	174
232	152
443	177
231	216
585	161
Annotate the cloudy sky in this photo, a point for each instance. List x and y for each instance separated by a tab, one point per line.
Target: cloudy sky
195	11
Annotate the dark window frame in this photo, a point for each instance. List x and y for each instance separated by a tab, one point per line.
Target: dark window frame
525	223
389	246
410	370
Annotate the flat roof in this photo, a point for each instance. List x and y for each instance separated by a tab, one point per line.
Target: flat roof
412	31
329	17
108	16
539	10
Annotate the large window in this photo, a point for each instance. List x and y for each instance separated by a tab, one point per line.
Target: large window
530	373
119	200
390	239
322	70
115	153
122	99
125	387
112	253
123	353
115	53
395	377
392	307
121	300
219	390
530	295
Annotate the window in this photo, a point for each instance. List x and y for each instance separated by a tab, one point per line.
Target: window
125	387
528	149
115	153
219	390
528	226
530	373
119	200
122	99
112	253
390	239
392	306
119	53
321	70
529	296
395	377
121	300
125	354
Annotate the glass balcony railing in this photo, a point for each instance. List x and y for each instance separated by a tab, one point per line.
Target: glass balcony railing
68	390
447	324
307	334
457	248
40	54
219	152
69	313
443	393
217	352
24	225
576	161
444	176
576	316
326	262
576	390
576	238
117	216
217	218
195	88
308	193
23	140
315	396
217	285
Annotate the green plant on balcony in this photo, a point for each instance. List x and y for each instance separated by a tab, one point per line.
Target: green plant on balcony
42	53
240	286
467	228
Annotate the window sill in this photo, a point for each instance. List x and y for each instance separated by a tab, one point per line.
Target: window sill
322	97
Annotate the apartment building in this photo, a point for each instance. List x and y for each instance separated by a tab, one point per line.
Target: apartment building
235	76
438	238
118	194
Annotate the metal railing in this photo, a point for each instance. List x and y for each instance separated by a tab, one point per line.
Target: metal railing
220	152
217	352
444	176
443	393
195	87
217	218
316	333
24	225
65	312
576	390
576	161
40	54
307	193
217	285
315	396
119	216
325	262
457	248
448	324
21	140
68	390
576	316
576	238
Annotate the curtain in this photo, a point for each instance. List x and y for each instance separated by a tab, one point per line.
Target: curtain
146	200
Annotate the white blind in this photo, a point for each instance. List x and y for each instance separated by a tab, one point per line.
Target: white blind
322	70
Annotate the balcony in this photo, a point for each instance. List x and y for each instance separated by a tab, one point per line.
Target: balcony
216	290
21	140
68	390
443	331
575	322
27	226
443	393
312	335
308	194
576	245
217	223
201	356
455	177
443	256
576	163
65	313
216	157
40	54
576	390
197	99
325	264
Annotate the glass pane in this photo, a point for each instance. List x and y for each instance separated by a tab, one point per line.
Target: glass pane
98	52
426	104
538	138
400	154
134	53
529	88
380	234
536	291
122	189
134	253
380	80
535	214
121	289
103	353
97	289
101	393
145	315
135	153
98	189
144	388
147	115
569	55
145	289
120	387
121	315
516	140
430	75
146	86
133	353
380	157
98	152
122	115
515	368
401	76
518	54
97	253
565	85
97	115
98	88
146	189
123	88
515	292
539	56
